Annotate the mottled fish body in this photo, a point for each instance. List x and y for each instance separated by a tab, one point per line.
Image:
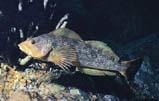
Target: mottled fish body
65	50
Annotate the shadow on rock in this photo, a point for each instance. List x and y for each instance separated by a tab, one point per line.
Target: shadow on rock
103	85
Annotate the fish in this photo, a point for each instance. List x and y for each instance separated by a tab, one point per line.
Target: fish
66	49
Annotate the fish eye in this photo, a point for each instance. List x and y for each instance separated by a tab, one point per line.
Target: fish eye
32	41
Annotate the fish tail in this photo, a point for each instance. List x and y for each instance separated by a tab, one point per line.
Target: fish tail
131	67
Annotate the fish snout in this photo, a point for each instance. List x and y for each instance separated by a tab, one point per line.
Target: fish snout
24	48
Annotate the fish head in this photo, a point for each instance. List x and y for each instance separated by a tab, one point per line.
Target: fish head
37	47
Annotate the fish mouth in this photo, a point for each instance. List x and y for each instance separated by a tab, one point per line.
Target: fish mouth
24	48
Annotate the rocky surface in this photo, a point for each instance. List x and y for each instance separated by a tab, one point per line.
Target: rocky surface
39	84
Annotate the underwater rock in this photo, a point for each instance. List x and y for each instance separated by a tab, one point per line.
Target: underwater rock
75	92
32	84
110	98
19	95
147	81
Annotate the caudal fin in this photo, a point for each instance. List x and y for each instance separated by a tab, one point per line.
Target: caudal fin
132	67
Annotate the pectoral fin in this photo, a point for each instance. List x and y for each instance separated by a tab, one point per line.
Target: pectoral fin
64	57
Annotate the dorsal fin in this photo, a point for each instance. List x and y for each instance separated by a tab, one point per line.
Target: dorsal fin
67	33
104	47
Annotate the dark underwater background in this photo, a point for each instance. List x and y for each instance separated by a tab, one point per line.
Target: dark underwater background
129	27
